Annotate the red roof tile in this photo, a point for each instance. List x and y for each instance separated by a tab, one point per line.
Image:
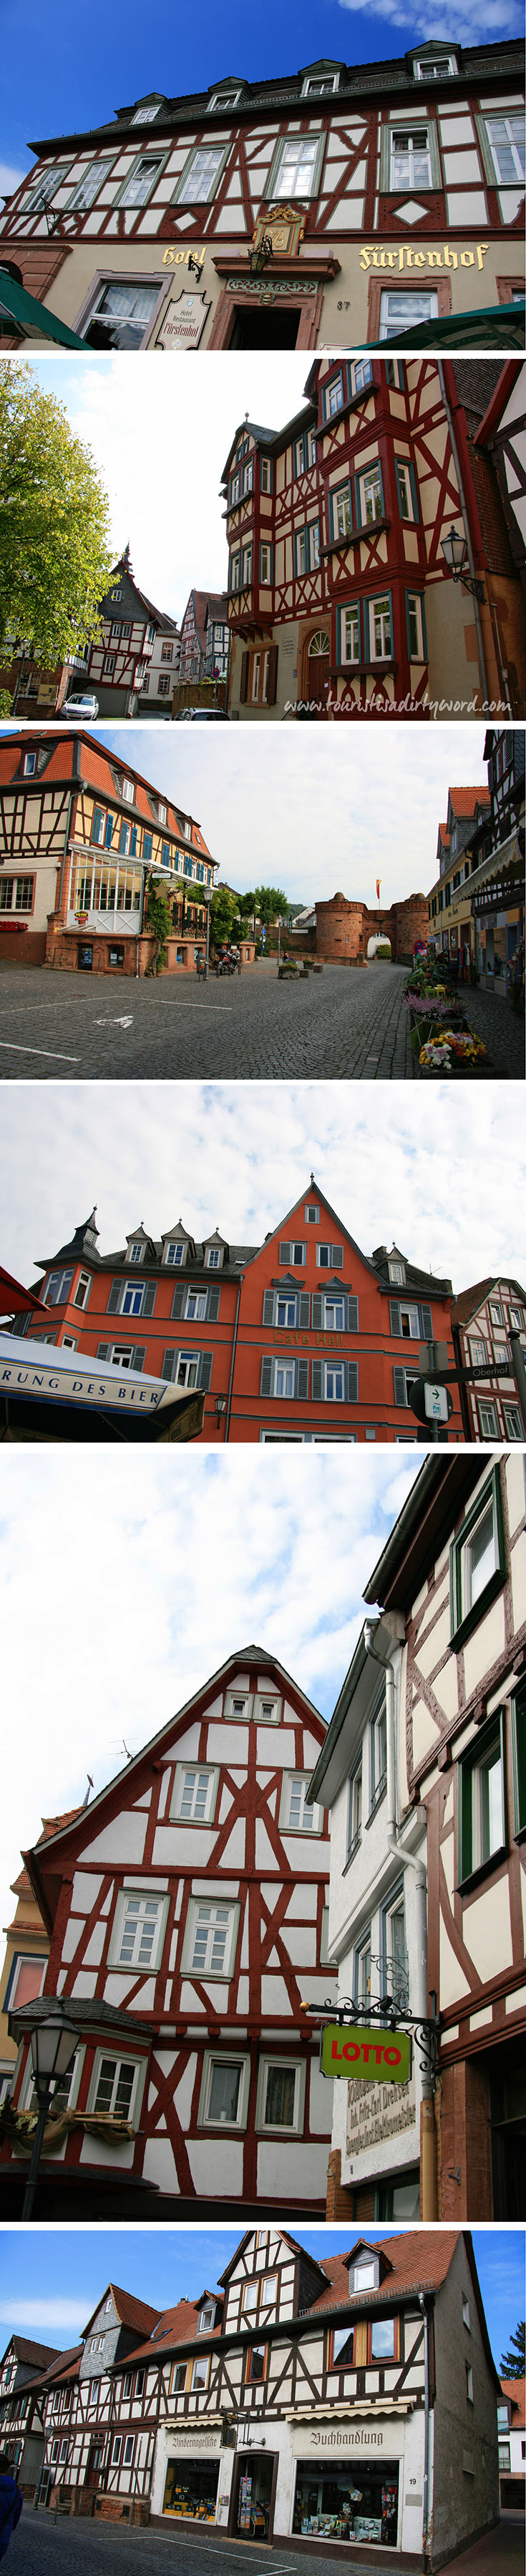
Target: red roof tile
515	2389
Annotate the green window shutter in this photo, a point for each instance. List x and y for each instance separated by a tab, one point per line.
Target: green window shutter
351	1371
486	151
394	1312
385	160
272	676
302	1381
138	1359
268	1306
284	1254
317	1381
399	1386
465	1820
336	1256
149	1298
168	1366
303	1310
426	1324
352	1314
317	1314
357	516
212	1305
519	1760
414	494
103	1351
205	1371
178	1303
266	1377
114	1295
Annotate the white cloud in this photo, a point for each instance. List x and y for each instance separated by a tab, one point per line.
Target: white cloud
10	179
455	22
42	2316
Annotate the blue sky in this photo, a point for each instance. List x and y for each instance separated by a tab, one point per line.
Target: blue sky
78	71
50	2282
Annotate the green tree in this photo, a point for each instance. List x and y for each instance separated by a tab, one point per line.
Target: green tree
54	524
513	2363
270	901
224	911
159	919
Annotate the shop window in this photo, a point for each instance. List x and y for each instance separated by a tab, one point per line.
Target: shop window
482	1802
191	2489
355	2502
119	314
477	1562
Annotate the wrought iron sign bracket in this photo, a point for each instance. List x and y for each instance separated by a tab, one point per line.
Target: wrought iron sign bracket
424	2029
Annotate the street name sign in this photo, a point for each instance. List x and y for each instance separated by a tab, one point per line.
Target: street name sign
380	2056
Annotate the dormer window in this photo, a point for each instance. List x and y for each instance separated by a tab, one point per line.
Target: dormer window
434	66
320	84
223	99
135	1252
364	2273
161	813
206	2319
145	115
214	1256
174	1255
397	1273
128	791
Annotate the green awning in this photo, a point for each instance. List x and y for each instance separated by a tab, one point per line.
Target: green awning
29	316
494	326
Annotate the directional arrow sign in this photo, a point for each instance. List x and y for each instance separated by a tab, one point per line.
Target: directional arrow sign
380	2056
430	1403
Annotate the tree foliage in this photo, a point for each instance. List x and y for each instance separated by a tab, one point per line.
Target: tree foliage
159	919
224	912
513	2364
54	524
270	902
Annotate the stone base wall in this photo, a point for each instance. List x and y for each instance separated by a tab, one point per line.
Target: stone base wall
63	949
26	950
343	929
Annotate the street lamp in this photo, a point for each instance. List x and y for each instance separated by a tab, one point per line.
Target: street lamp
258	259
455	552
220	1407
53	2044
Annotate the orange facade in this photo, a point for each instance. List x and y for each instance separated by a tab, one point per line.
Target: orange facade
304	1339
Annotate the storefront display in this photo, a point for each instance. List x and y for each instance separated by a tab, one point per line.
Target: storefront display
358	2501
191	2489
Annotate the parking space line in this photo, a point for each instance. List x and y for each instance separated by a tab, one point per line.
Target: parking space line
9	1045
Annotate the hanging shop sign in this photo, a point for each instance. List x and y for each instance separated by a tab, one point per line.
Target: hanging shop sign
379	2056
283	227
183	322
405	256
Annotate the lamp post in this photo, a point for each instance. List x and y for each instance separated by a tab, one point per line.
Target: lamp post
258	259
455	553
220	1408
208	900
53	2044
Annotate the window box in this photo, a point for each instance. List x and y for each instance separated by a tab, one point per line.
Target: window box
477	1562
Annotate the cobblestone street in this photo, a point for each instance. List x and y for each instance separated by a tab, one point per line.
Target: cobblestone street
43	2547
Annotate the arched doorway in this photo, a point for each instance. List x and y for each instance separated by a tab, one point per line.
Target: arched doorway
316	666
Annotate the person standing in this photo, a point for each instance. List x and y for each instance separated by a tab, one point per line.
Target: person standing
10	2503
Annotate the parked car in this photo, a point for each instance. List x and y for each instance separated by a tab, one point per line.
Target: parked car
202	715
82	706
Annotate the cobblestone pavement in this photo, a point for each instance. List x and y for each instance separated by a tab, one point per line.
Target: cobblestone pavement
501	1030
42	2547
331	1027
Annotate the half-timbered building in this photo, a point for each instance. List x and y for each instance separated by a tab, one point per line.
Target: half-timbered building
119	663
482	1319
451	925
81	834
380	198
349	2401
185	1911
341	598
454	1572
304	1338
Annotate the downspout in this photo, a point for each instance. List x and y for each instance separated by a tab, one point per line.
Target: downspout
407	1860
425	2504
232	1363
486	702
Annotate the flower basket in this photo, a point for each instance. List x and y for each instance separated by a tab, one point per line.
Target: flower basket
452	1051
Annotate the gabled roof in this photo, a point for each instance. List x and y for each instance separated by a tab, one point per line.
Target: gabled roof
392	73
175	2326
467	1304
129	2311
515	2390
27	2350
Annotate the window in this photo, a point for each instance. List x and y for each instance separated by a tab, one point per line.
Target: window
395	1968
514	1319
58	1288
383	2335
238	1704
469	2383
187	1368
200	2370
513	1422
297	1815
195	1794
311	1214
481	1801
214	1256
114	2086
138	1924
434	66
362	1990
507	159
342	2346
355	1810
465	2314
478	1356
178	2378
43	187
281	2094
329	1256
403	311
488	1420
285	1379
206	2318
267	1710
410	157
174	1255
397	1273
210	1937
361	375
122	1355
371	494
292	1255
350	634
120	314
380	639
416	635
224	2093
403	1382
378	1752
296	166
333	397
341	511
88	188
201	175
30	762
496	1312
82	1289
265	563
23	894
137	188
477	1562
404	489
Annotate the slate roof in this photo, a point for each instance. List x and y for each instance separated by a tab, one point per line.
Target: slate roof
394	73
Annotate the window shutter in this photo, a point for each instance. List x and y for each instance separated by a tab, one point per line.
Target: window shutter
337	1256
205	1371
149	1298
103	1352
113	1299
243	685
284	1253
352	1314
168	1366
268	1306
212	1310
178	1303
266	1377
426	1324
303	1309
317	1388
414	494
138	1359
272	676
317	1314
302	1381
351	1372
394	1312
399	1386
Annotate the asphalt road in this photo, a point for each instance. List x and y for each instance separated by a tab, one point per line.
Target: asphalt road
41	2547
82	1028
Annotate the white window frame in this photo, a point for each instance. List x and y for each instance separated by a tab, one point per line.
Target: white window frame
240	1716
200	1298
414	611
143	1895
510	145
291	1780
380	609
437	67
397	1273
406	320
396	133
514	1426
470	1600
478	1355
263	1701
201	1770
201	2370
350	618
214	1256
217	1975
72	2079
281	2128
224	2057
83	195
320	84
184	194
174	1254
488	1418
139	2072
291	161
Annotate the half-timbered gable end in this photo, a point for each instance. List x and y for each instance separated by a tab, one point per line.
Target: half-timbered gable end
483	1318
380	197
189	1903
340	594
80	834
119	660
456	1568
